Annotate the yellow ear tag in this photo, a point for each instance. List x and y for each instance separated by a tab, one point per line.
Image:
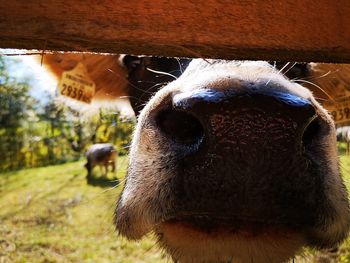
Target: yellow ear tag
339	107
76	84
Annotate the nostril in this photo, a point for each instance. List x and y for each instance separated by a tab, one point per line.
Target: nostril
180	126
311	132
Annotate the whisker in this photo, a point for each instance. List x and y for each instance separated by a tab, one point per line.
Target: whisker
146	81
180	66
126	147
284	73
158	84
323	99
267	83
133	97
316	77
317	86
324	75
161	72
125	79
286	65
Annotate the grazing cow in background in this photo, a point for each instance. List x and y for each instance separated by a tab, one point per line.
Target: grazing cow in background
343	135
233	162
102	154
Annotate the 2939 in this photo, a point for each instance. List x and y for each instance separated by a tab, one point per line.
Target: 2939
72	92
341	114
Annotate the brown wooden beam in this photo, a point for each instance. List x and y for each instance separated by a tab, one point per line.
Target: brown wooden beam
291	30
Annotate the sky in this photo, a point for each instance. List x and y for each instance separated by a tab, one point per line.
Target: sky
26	68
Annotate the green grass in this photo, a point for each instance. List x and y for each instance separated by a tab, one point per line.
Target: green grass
51	214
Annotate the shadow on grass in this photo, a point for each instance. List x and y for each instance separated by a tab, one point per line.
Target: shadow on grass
102	181
38	197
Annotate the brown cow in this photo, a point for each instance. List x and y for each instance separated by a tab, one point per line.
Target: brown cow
232	162
102	154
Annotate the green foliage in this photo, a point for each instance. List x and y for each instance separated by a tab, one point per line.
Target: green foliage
111	128
32	134
16	107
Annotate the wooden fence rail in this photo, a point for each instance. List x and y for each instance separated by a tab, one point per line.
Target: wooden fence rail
291	30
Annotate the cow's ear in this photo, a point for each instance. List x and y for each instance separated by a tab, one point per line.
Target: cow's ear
130	62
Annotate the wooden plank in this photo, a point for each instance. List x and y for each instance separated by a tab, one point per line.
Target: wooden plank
291	30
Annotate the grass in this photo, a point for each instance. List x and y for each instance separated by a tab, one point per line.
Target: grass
51	214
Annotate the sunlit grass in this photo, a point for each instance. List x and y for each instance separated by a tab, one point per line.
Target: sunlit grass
344	250
51	214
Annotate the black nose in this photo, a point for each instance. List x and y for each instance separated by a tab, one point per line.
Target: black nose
215	116
180	126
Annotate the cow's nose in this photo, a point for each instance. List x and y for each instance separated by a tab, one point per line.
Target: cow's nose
206	114
180	126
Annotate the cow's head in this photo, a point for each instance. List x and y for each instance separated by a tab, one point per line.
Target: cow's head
233	162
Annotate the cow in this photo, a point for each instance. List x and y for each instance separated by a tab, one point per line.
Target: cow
233	162
343	135
102	154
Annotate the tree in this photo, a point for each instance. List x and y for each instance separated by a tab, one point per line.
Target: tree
16	105
36	133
